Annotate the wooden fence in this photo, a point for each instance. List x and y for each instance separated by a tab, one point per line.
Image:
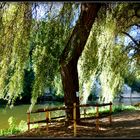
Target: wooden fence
55	119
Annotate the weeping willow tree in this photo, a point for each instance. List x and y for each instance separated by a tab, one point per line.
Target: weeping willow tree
39	45
51	43
103	59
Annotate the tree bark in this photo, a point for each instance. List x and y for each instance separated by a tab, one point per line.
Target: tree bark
71	54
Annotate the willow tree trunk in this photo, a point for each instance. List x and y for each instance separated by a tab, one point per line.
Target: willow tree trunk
71	54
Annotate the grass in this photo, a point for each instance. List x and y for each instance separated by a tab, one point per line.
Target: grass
117	109
15	129
105	110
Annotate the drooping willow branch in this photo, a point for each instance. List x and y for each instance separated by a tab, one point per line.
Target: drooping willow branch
131	38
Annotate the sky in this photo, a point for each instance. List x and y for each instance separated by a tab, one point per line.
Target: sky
42	8
135	33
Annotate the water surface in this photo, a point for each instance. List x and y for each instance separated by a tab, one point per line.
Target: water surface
19	113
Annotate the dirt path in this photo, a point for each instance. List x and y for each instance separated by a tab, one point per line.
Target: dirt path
126	124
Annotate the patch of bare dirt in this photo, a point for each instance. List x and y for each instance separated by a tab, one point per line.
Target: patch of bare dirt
125	124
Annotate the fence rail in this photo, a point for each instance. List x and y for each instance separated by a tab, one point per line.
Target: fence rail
63	118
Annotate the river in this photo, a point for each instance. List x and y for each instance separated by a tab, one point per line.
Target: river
19	111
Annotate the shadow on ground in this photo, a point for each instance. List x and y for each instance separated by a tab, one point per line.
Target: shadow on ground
125	124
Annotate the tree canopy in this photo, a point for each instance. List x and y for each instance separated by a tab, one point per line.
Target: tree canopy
29	41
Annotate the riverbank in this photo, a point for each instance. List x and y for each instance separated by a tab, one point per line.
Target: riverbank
125	124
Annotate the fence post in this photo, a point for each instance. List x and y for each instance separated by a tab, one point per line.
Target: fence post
47	120
110	117
28	120
50	116
74	118
97	118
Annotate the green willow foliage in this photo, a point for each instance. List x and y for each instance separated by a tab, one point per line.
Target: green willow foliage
15	49
49	42
34	44
103	58
45	56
